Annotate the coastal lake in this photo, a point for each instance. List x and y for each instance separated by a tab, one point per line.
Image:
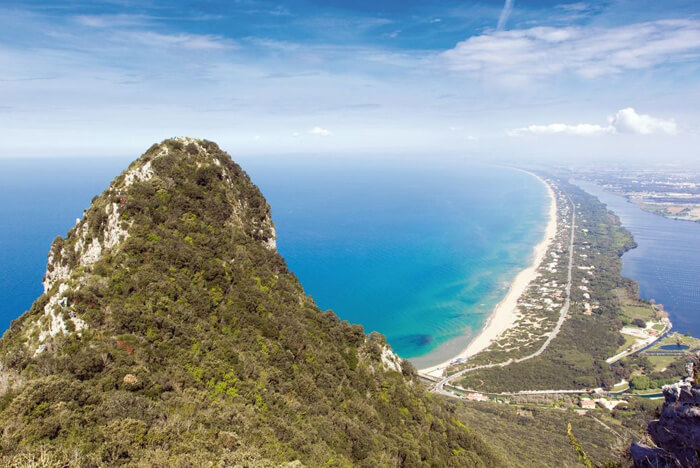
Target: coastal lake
418	250
666	262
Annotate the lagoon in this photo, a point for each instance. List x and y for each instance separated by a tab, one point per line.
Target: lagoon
666	262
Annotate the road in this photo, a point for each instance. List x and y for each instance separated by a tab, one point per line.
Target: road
439	386
641	346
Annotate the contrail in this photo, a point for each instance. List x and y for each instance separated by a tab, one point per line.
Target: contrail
505	13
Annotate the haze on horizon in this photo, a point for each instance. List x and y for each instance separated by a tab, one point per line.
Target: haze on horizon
523	80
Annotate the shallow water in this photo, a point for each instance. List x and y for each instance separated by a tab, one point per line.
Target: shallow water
419	252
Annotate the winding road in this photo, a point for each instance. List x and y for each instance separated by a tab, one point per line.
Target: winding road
439	386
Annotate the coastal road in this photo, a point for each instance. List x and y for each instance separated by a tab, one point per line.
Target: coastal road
439	386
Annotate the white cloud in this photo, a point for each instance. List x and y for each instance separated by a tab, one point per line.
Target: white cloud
111	21
625	121
628	121
320	131
575	7
135	28
524	55
560	128
178	41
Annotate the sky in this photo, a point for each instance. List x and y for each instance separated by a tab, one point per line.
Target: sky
509	80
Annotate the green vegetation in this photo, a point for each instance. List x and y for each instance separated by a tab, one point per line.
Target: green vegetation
676	339
675	210
635	311
582	455
201	347
664	366
660	363
620	387
647	376
640	382
532	431
629	341
639	323
536	436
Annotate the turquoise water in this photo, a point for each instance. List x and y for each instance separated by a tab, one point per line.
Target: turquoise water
420	251
417	251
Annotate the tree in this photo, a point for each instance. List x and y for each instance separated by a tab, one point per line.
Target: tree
640	382
639	323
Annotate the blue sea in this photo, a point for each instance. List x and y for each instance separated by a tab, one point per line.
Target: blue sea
666	262
420	250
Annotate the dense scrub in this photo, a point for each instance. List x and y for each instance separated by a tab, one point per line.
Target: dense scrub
201	346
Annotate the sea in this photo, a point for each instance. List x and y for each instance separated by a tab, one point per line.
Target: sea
418	249
666	262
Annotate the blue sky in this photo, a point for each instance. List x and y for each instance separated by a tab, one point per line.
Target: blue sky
506	79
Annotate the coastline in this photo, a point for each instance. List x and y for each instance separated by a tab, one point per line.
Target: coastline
504	314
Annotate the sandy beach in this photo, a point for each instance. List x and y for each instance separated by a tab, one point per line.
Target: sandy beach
504	314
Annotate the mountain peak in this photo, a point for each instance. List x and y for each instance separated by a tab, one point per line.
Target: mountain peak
166	168
172	333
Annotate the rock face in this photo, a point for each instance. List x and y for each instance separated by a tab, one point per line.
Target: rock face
171	333
677	432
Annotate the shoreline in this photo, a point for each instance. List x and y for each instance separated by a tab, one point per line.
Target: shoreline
503	315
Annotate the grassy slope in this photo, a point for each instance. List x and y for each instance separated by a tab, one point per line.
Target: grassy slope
536	433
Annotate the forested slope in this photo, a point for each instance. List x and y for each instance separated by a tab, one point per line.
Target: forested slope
171	333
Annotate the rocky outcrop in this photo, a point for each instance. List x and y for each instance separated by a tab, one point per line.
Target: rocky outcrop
104	227
677	432
390	359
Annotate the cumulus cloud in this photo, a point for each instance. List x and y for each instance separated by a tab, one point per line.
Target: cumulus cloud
524	55
320	131
624	121
629	121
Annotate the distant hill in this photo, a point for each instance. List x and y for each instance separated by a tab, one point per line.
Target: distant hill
171	333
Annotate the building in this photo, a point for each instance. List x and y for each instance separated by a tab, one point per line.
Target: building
477	397
587	403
